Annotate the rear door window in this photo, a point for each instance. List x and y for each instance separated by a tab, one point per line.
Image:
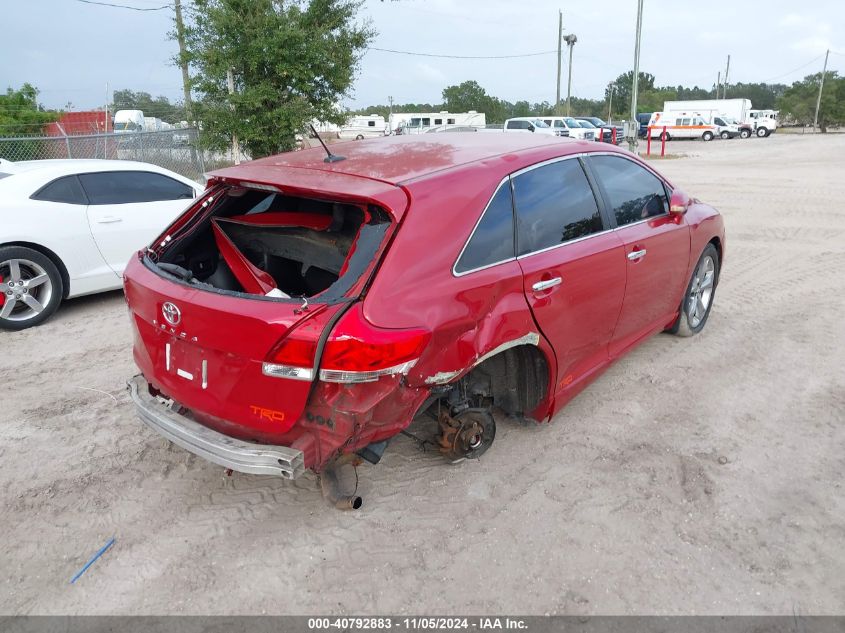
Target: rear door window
124	187
492	240
554	204
634	193
65	189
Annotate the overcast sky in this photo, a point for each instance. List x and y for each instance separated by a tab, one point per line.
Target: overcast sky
70	50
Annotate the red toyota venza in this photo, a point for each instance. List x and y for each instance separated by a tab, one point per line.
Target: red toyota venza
309	307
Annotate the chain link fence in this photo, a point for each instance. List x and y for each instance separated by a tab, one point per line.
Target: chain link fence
174	149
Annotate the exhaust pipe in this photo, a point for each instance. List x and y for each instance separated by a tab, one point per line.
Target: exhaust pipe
335	481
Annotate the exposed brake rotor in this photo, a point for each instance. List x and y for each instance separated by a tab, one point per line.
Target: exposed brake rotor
466	435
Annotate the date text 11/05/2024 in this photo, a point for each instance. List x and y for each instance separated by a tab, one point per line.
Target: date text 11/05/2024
417	623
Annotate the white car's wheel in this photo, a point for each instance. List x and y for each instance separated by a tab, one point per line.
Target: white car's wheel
31	287
707	136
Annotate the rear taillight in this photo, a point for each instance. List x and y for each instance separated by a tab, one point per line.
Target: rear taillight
356	351
293	356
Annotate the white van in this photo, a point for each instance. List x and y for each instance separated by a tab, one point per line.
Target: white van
681	125
363	126
532	124
570	127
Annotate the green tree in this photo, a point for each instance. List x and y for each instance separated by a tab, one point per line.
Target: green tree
623	86
799	101
465	97
763	96
292	61
20	113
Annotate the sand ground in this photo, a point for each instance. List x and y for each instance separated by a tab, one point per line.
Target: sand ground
621	506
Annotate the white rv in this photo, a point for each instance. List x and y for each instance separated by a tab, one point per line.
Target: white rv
421	122
153	124
363	126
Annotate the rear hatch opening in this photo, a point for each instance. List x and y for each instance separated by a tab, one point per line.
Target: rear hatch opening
258	241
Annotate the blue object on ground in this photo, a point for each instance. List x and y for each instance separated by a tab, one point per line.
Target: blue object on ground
93	559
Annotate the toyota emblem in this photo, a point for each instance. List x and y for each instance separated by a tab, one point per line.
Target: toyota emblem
171	313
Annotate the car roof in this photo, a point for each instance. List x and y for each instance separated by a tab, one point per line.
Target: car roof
399	159
81	165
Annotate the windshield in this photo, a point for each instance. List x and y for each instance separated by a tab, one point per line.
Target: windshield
586	124
571	122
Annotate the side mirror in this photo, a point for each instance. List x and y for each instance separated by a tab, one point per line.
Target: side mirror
530	127
679	202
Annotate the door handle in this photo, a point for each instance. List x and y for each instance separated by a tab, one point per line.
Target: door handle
546	284
109	219
635	255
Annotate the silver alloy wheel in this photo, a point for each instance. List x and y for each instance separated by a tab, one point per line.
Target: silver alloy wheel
26	288
701	291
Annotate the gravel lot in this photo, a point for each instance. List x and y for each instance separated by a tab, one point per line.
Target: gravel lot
697	475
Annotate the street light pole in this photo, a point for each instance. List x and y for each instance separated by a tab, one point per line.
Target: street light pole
633	126
559	54
570	41
610	103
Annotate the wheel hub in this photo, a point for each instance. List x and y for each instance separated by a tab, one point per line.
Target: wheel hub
467	434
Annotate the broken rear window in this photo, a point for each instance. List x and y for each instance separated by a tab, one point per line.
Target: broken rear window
266	243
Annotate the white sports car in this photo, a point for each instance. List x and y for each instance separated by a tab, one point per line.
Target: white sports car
68	227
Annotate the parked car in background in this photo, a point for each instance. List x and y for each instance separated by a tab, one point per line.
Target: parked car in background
531	124
297	313
725	128
617	130
570	126
68	227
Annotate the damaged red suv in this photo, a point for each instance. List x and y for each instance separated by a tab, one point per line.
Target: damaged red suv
309	307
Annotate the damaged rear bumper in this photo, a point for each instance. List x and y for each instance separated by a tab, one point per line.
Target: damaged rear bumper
244	457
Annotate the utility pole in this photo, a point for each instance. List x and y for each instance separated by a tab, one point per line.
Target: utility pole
559	53
718	83
819	99
610	103
633	126
183	61
390	101
570	42
236	147
725	86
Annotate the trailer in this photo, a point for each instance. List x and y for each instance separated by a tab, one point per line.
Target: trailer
421	122
362	126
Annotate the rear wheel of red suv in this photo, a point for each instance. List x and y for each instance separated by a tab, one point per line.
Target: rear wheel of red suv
698	299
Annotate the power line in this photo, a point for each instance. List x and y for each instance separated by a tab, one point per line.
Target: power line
124	6
815	59
389	50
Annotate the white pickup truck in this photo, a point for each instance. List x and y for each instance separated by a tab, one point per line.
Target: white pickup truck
532	124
